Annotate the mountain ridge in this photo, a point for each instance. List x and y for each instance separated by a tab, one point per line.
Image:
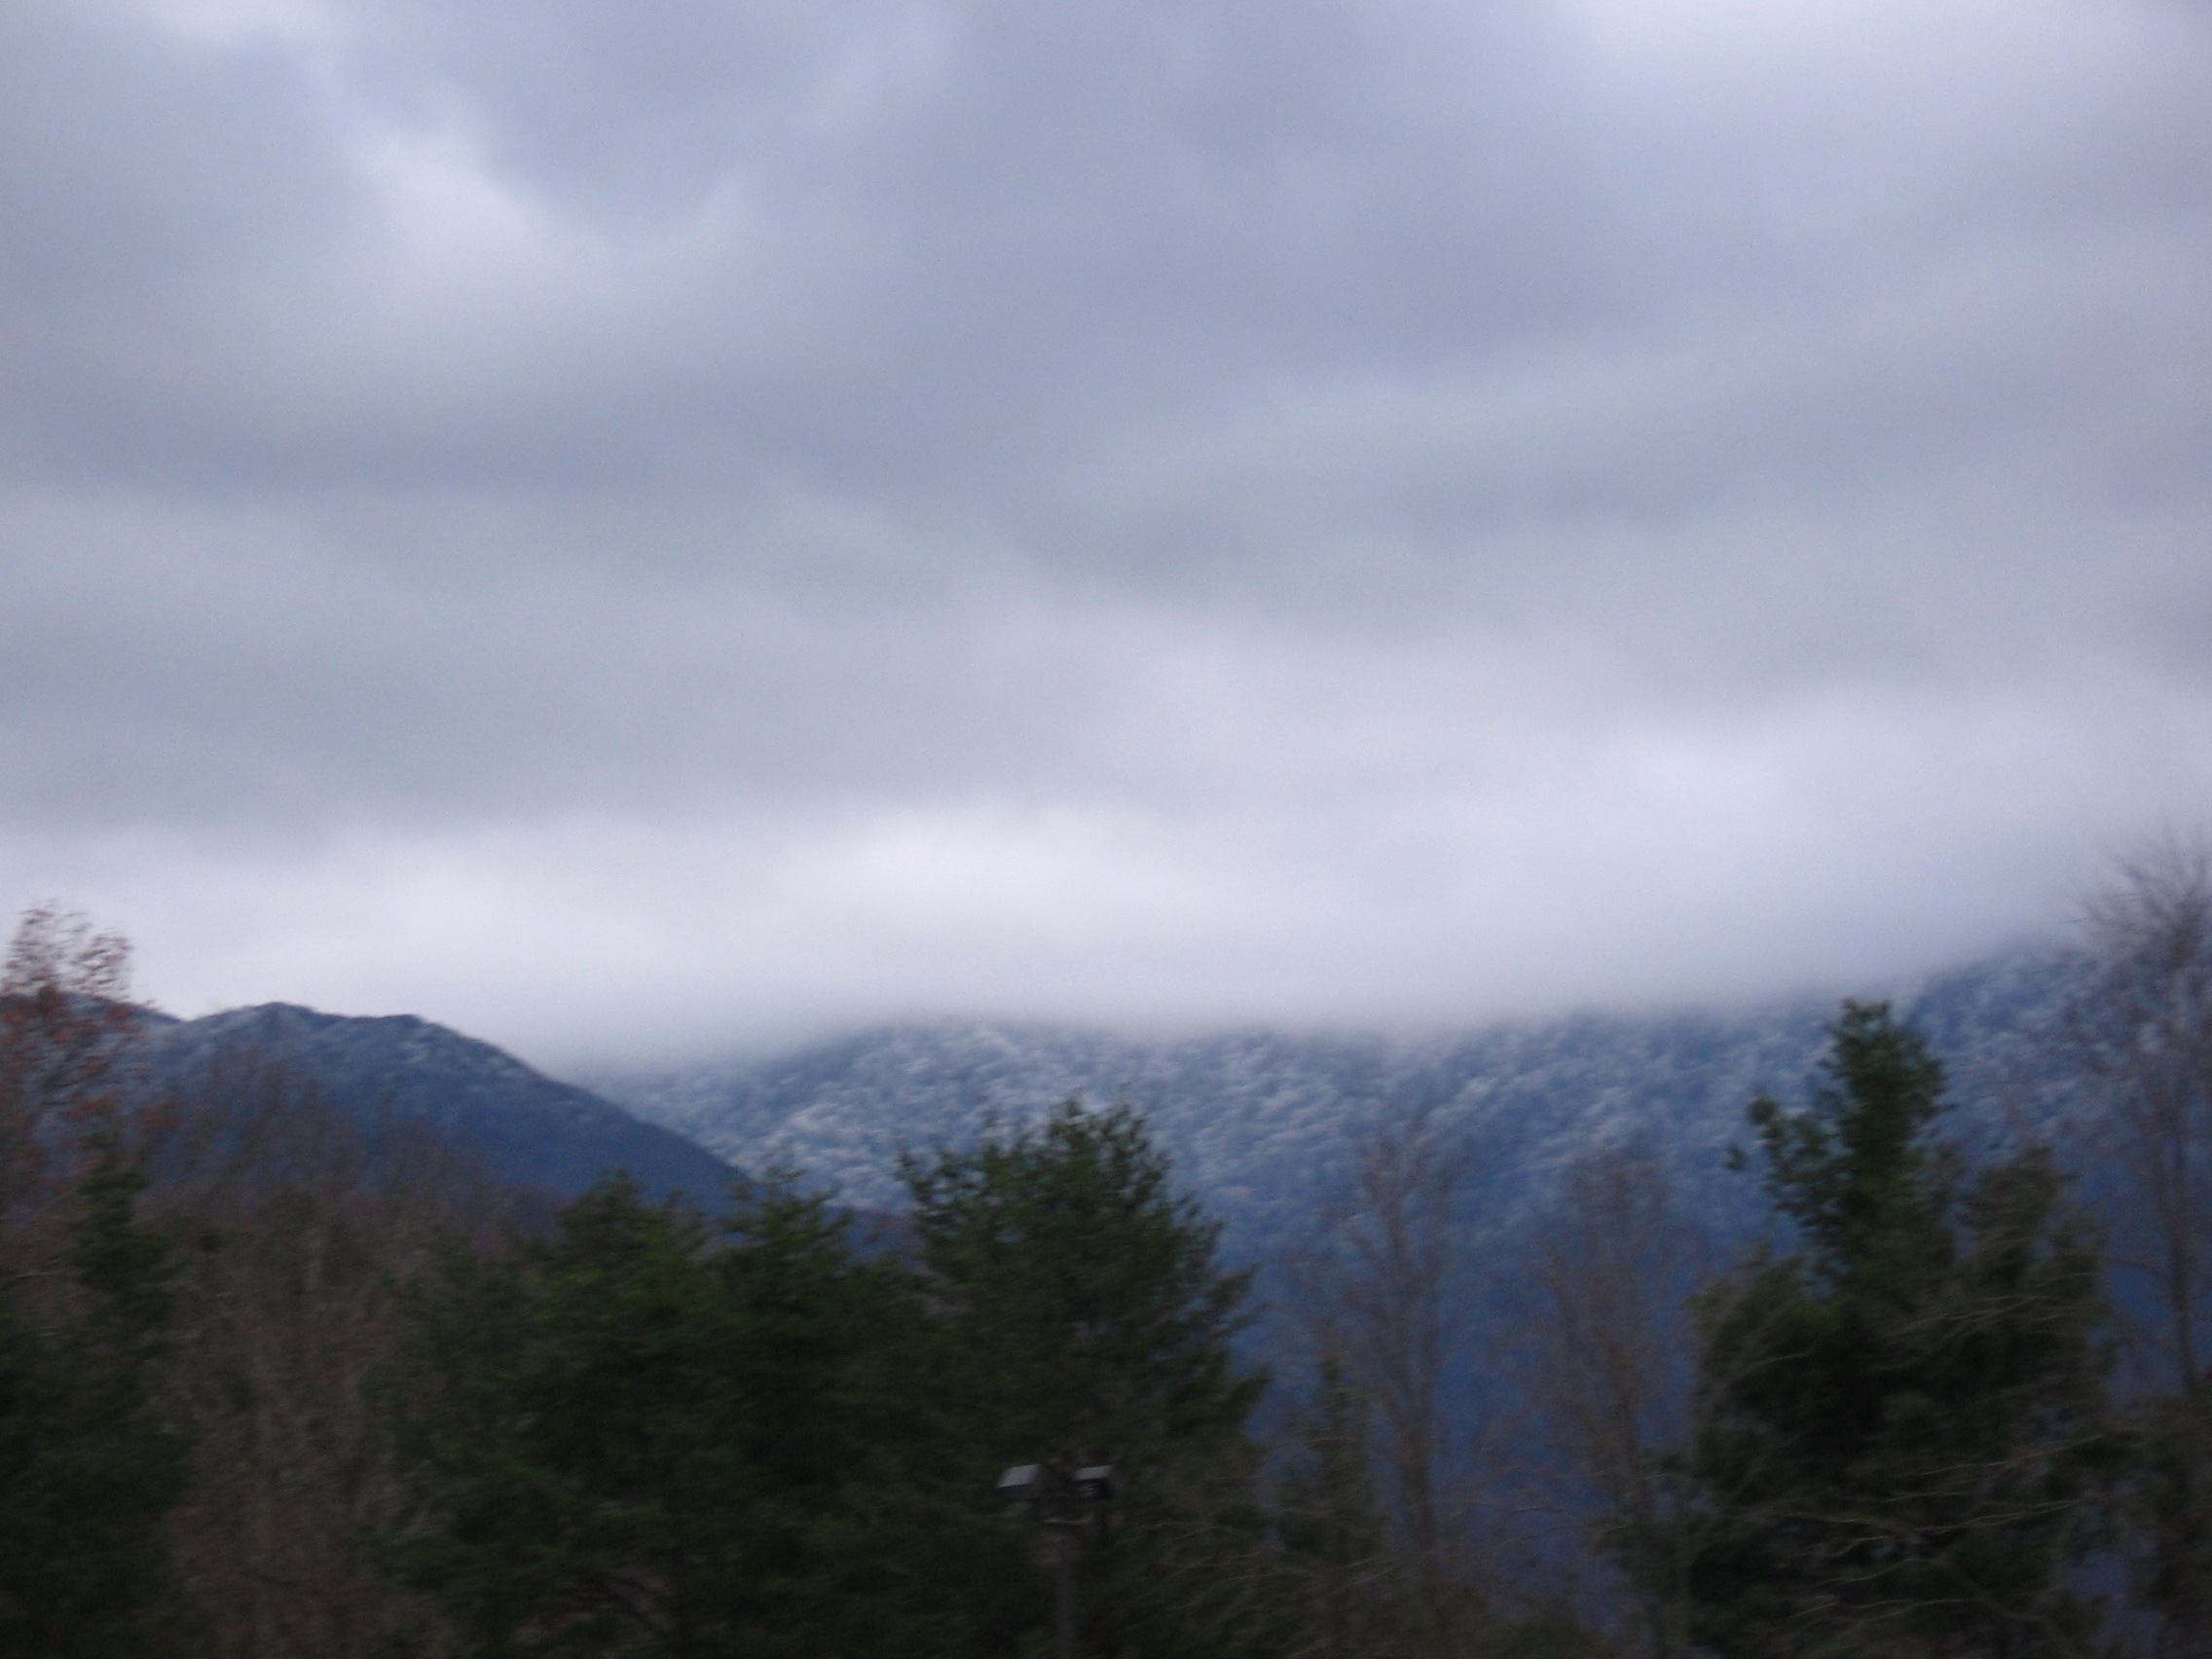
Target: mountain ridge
1262	1123
529	1129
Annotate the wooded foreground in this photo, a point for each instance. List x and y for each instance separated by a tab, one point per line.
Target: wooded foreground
277	1380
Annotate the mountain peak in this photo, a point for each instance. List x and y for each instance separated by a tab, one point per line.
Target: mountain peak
530	1130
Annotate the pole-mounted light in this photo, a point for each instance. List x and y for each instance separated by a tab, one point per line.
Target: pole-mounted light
1065	1505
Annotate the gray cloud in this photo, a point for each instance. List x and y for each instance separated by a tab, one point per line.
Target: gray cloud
658	528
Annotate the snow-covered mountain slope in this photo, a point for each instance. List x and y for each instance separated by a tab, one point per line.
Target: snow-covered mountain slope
1261	1124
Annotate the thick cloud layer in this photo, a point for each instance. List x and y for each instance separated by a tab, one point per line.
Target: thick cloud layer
646	529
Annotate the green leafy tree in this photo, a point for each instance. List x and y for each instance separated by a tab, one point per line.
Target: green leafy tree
636	1439
1900	1437
1082	1318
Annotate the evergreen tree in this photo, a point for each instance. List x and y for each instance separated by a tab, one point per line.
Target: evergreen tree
1083	1319
88	1470
1899	1438
628	1440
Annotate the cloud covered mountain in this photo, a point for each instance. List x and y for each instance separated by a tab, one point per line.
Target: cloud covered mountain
650	527
1263	1123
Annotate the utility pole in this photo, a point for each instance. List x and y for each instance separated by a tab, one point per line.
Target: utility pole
1063	1593
1066	1506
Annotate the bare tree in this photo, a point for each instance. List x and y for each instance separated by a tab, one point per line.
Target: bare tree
293	1229
2144	1026
1385	1306
2141	1029
1612	1356
63	1011
308	1225
1340	1568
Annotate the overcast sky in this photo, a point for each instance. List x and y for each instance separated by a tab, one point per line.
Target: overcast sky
644	529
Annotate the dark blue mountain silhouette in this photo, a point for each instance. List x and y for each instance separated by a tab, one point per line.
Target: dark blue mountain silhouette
528	1129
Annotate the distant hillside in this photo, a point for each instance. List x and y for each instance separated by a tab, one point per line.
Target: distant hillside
1260	1121
529	1129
